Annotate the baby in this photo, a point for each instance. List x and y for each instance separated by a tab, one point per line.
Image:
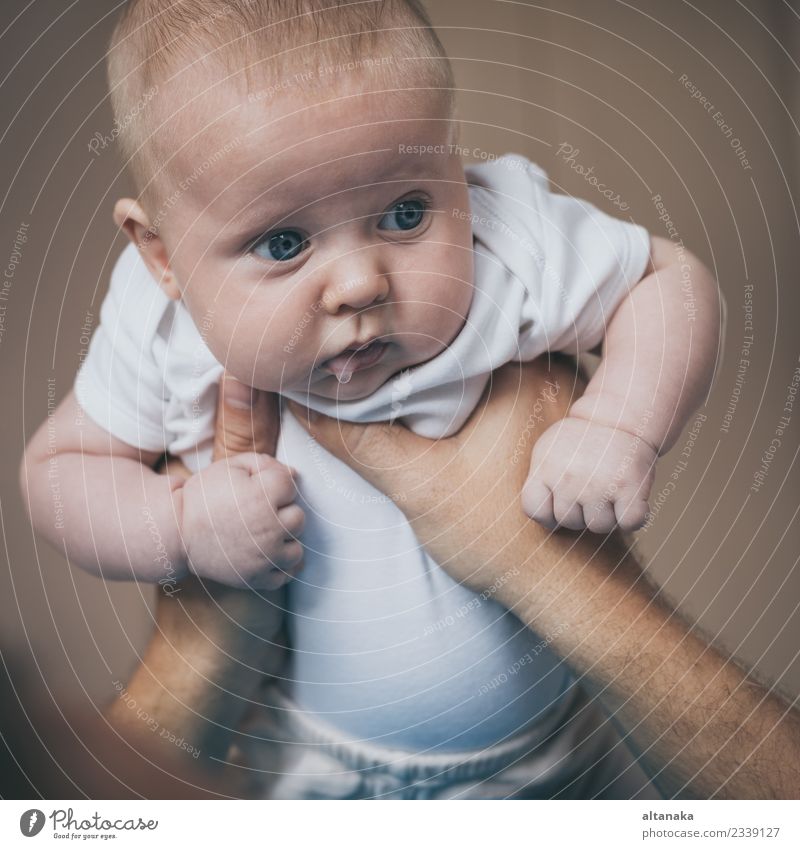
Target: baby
305	222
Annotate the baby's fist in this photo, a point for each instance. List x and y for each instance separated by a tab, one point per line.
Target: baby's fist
240	521
588	476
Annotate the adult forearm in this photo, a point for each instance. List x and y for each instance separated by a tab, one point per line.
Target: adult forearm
212	647
694	716
699	723
111	516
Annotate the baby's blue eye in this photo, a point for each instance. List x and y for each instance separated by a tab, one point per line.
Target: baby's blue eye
404	215
280	246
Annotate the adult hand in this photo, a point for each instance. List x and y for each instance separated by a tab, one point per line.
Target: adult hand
462	494
212	644
247	421
702	725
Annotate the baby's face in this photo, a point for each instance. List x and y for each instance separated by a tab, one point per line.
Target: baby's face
314	236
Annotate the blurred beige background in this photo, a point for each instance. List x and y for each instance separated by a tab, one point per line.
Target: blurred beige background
601	76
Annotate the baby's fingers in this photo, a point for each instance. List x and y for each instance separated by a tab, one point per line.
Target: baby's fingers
537	502
278	485
631	513
282	569
292	519
599	517
569	514
291	555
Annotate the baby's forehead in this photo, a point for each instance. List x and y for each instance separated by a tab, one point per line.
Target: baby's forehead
206	94
226	127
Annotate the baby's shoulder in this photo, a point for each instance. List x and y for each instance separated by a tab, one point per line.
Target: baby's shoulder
509	199
508	196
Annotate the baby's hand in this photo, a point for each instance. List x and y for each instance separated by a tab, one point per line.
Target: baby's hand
588	476
239	521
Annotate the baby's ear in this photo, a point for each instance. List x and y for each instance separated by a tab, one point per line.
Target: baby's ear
135	223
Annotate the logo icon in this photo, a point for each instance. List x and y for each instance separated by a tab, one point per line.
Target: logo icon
31	822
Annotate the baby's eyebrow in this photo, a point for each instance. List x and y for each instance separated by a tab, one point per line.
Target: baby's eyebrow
380	170
259	217
265	213
266	210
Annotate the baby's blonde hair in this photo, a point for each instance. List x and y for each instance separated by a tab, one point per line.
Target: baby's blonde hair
155	39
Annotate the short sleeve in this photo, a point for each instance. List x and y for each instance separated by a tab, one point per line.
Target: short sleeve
576	262
120	385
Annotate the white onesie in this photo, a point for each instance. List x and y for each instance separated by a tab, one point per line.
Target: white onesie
386	646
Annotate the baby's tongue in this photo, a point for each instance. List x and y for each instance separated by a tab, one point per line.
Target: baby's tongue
343	365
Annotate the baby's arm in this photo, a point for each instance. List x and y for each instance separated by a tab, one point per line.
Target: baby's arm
595	467
99	501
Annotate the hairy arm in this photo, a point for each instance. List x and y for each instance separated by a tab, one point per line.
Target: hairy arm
211	648
698	720
212	644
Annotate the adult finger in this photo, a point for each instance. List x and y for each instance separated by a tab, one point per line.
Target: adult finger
247	420
415	471
392	458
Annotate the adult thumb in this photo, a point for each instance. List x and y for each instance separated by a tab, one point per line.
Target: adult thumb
392	458
247	420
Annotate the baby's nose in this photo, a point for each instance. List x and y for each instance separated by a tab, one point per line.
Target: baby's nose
356	290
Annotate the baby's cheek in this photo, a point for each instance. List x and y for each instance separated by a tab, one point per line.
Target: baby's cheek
283	362
270	367
246	359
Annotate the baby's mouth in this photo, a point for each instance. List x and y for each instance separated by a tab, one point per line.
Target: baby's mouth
351	360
